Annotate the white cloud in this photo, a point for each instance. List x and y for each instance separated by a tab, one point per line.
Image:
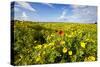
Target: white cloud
48	4
24	16
63	15
86	14
26	5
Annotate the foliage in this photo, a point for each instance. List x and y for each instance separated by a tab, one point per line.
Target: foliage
43	43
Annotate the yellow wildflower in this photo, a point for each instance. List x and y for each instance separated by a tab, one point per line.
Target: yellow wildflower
38	47
38	58
52	35
45	45
91	58
70	52
83	44
62	42
51	43
64	50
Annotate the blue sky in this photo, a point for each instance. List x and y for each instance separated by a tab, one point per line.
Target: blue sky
48	12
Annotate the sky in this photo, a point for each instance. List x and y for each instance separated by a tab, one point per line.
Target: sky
47	12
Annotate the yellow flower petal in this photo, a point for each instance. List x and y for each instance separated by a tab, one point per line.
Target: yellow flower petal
70	52
64	50
39	46
62	42
38	59
51	43
91	58
83	44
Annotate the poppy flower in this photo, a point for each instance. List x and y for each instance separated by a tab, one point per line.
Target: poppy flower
61	32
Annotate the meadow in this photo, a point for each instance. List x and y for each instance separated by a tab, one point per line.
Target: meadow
59	42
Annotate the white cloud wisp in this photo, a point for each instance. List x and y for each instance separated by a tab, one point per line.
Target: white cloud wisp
82	14
26	5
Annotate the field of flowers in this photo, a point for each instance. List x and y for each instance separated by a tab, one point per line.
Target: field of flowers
46	43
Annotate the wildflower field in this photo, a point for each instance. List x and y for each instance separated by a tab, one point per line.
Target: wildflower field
46	43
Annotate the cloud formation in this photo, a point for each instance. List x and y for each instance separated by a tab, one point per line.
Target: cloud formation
80	13
48	4
24	16
26	5
63	15
85	13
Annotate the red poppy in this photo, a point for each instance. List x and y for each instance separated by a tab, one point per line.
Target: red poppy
61	32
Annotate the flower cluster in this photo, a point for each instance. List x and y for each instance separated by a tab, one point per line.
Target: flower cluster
42	43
